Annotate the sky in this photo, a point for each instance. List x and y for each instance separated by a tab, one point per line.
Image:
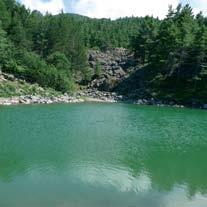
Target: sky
112	8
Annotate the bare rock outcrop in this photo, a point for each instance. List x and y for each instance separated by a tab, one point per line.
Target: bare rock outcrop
115	65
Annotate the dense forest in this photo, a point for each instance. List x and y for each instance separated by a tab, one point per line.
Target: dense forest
173	53
52	49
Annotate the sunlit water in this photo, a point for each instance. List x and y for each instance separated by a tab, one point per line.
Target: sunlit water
102	155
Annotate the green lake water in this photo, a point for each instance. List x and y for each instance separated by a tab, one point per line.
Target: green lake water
102	155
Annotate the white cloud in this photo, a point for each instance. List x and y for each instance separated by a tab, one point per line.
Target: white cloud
51	6
121	8
200	5
112	8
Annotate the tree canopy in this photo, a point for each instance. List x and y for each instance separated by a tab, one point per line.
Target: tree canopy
52	49
175	51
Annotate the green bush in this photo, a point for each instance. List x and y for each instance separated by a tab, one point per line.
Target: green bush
98	69
60	61
34	69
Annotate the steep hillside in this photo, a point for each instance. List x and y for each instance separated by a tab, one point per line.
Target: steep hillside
110	68
11	86
164	60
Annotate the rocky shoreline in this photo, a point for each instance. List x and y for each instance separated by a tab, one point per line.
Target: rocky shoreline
33	99
79	97
89	95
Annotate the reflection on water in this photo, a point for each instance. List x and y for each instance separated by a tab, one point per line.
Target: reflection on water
102	155
120	179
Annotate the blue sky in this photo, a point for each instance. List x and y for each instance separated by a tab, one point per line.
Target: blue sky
112	8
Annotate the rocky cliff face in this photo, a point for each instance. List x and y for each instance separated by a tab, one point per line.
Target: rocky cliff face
113	66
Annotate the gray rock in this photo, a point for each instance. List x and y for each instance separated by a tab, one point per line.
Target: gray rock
9	77
120	72
112	62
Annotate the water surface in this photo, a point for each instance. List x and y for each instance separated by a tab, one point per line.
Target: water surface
98	155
